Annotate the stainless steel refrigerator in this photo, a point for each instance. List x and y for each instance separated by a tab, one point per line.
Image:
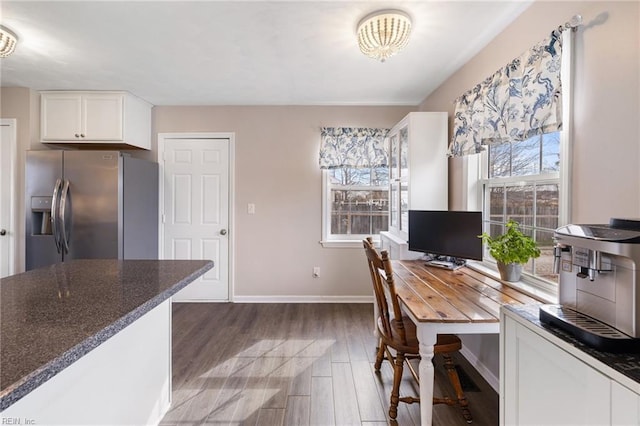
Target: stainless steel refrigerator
89	205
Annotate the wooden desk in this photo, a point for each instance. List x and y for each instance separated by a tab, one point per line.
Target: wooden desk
439	301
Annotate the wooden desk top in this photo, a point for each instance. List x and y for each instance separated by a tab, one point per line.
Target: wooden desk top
462	296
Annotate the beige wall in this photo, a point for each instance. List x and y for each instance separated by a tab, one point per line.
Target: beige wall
23	105
606	141
276	168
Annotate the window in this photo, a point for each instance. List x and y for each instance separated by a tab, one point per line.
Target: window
355	184
517	114
356	203
521	181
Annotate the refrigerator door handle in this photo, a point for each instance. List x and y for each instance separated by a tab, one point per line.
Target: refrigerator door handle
65	228
55	214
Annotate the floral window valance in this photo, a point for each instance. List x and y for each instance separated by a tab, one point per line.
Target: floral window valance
520	100
353	147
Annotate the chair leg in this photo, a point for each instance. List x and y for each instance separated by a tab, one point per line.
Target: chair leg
397	378
380	355
455	381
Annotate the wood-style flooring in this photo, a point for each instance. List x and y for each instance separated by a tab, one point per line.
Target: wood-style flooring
295	364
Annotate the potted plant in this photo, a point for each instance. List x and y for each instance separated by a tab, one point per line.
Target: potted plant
511	250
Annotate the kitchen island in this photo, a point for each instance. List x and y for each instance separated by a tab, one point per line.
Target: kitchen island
89	341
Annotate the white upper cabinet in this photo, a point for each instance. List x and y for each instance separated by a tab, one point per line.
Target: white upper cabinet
418	168
113	119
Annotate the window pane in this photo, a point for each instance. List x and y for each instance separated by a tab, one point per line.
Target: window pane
495	229
393	157
551	152
496	204
544	264
404	148
525	157
359	212
404	207
335	176
500	160
547	206
520	204
361	177
394	203
360	223
339	212
379	176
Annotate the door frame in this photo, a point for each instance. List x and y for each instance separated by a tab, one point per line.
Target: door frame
12	123
231	137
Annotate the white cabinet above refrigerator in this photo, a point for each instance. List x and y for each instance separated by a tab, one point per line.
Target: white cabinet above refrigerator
111	120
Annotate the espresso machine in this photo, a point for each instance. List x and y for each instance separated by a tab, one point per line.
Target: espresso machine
599	287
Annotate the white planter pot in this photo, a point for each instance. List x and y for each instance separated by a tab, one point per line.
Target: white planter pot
510	271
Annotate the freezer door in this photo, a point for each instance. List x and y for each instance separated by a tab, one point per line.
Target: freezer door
91	214
43	169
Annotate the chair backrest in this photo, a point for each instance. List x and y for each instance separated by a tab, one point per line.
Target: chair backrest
385	290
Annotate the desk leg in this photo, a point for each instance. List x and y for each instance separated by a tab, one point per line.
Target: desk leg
427	338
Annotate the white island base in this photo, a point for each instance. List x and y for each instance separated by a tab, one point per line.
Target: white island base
125	380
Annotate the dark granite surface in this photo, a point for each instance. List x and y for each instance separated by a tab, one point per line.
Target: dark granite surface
627	364
51	317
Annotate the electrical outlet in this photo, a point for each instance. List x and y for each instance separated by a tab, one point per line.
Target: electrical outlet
316	271
251	208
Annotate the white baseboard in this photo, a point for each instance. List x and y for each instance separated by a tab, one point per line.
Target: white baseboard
482	369
303	299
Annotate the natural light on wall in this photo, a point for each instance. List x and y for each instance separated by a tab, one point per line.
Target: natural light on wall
384	33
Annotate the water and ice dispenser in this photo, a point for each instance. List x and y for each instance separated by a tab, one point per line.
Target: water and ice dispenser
598	288
41	215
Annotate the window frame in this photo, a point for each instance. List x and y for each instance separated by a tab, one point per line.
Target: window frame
477	168
486	183
343	240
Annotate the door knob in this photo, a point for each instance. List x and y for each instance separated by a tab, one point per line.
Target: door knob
223	232
3	232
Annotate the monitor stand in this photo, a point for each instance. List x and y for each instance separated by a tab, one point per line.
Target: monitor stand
451	264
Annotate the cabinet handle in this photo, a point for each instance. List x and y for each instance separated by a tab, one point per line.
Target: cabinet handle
77	135
82	135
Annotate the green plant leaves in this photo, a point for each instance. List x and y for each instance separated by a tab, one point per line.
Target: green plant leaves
512	246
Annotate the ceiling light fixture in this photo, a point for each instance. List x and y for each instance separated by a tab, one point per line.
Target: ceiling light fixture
8	42
384	33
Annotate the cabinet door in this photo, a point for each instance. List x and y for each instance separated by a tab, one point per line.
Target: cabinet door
403	160
103	116
61	116
394	182
545	385
625	406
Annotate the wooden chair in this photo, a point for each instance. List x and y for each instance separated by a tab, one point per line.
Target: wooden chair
398	332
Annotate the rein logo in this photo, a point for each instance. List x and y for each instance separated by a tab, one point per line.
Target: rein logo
16	421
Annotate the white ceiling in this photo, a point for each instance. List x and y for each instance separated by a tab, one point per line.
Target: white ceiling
242	52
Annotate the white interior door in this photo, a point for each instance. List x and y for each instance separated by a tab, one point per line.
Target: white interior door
8	164
196	212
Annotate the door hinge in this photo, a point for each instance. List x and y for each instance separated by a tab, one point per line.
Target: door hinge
164	218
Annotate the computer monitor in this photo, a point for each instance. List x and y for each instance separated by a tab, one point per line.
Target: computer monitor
450	237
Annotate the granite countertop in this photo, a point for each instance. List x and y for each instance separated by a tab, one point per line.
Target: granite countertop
627	364
50	317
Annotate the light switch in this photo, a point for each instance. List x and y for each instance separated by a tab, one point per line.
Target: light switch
251	208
